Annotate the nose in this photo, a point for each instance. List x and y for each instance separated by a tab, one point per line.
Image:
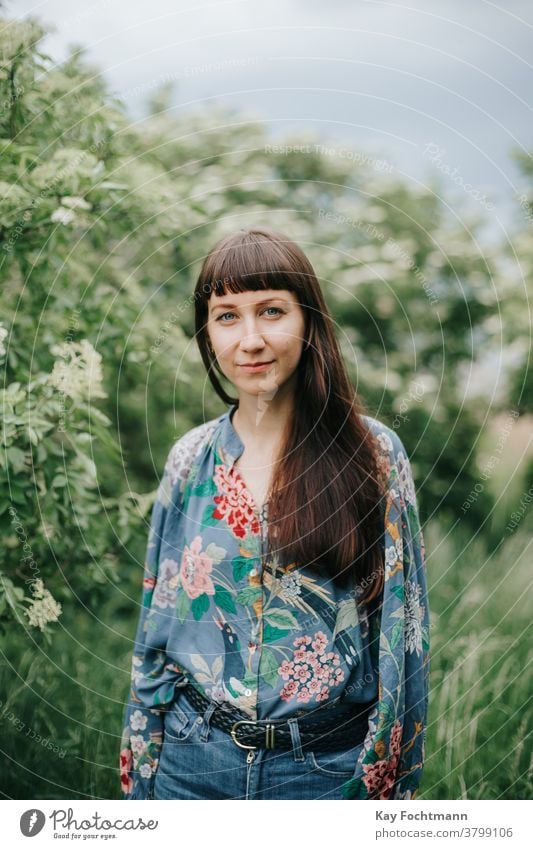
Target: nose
252	339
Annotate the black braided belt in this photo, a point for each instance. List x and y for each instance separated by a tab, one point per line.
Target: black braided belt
341	730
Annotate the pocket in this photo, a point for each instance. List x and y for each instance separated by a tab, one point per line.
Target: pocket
180	720
338	764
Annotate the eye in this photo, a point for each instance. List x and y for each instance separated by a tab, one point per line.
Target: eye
276	310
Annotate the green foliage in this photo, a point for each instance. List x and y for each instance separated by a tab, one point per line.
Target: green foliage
103	227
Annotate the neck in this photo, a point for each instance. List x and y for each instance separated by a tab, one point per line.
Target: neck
260	422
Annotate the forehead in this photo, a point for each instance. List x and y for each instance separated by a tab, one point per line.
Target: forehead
231	300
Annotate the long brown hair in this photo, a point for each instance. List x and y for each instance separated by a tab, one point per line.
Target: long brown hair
332	519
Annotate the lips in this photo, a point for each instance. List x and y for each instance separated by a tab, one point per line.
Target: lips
253	367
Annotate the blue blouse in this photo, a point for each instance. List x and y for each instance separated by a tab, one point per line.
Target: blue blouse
221	612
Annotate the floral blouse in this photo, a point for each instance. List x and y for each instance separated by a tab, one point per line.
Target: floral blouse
220	612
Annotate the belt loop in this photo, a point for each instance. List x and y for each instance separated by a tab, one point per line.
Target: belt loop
204	734
295	738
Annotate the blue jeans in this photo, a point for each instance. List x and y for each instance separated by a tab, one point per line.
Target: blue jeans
200	761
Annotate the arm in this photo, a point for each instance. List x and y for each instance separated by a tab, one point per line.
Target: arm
391	761
152	679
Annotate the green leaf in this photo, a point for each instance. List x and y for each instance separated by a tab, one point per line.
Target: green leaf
224	599
282	619
249	595
16	458
241	567
396	635
271	634
205	488
215	552
207	518
268	667
13	595
199	606
347	616
182	605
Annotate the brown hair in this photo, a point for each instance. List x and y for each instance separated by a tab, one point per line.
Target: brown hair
332	520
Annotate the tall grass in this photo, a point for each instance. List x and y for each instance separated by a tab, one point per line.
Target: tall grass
479	731
72	691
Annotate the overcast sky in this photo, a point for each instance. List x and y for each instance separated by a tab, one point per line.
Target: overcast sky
385	78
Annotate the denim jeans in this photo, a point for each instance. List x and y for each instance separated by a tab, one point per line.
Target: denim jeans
200	761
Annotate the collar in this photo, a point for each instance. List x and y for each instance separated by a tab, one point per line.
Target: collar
229	444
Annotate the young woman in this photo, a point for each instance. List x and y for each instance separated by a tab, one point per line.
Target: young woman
282	647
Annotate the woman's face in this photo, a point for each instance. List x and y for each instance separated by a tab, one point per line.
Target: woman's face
256	327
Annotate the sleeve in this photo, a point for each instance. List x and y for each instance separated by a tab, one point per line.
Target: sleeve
391	760
153	680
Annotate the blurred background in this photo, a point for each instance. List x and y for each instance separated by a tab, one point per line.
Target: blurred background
394	144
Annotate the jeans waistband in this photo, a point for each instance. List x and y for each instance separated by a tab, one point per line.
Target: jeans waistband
332	730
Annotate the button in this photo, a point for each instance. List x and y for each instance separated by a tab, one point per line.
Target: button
247	692
199	720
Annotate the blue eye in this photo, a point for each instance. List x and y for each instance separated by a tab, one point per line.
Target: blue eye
221	316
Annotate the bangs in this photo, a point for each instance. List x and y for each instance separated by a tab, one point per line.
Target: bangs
250	262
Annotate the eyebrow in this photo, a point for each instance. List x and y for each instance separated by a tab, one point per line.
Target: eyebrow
226	305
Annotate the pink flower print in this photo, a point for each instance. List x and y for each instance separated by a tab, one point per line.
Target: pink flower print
301	672
335	677
138	744
288	690
307	676
320	642
396	737
380	777
165	588
304	695
195	569
236	505
126	764
321	672
285	670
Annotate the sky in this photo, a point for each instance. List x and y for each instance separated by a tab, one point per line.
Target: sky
440	88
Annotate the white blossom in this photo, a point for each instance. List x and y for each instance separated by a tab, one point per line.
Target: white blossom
44	608
3	334
385	442
405	478
138	721
78	372
413	617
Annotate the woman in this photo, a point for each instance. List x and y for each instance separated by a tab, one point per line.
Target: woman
282	647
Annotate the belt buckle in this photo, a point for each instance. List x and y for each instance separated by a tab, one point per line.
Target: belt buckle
269	734
233	735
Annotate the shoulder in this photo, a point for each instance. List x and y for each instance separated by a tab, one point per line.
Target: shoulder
393	460
387	438
187	448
